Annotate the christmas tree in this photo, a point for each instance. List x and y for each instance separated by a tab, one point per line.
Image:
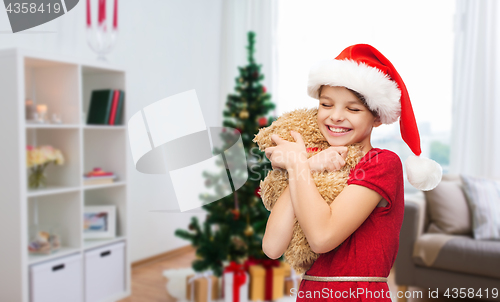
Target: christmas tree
235	224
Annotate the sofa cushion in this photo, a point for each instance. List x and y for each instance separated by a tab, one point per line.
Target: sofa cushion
448	209
468	255
427	246
483	196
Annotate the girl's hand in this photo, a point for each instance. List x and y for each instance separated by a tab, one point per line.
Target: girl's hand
331	159
287	154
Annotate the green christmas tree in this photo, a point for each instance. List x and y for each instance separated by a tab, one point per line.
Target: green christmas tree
235	224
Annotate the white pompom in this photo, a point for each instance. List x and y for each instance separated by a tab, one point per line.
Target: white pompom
423	173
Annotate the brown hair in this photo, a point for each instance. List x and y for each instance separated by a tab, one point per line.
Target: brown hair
359	96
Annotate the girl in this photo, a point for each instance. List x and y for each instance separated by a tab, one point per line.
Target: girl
357	236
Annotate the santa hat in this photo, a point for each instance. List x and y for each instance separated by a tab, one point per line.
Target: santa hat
364	69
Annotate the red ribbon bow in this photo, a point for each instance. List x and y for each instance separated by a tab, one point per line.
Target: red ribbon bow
239	278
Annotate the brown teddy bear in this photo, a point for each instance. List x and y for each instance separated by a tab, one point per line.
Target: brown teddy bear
304	121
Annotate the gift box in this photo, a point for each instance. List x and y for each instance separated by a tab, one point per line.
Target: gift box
266	280
235	283
202	287
292	280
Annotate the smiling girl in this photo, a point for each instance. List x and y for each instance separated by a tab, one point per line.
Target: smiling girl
357	235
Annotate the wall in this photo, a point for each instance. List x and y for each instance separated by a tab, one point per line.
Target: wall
167	47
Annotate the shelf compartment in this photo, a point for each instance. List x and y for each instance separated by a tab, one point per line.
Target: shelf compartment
66	140
54	84
104	272
110	196
106	150
59	280
95	79
61	211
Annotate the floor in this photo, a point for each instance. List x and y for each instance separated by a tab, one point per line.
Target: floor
148	283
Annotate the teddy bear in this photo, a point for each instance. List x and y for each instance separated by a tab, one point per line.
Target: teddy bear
304	121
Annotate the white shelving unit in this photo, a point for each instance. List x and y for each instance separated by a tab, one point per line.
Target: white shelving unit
65	86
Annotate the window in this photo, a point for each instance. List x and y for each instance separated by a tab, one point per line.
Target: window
417	36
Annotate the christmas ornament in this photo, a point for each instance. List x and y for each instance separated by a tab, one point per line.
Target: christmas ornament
365	70
236	213
244	114
262	121
264	89
257	192
248	231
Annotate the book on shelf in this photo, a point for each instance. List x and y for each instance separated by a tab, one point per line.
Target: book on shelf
112	113
97	180
106	106
98	176
119	109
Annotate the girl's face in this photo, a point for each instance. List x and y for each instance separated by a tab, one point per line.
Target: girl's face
343	119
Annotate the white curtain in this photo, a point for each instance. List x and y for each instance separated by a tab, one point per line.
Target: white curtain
239	17
475	142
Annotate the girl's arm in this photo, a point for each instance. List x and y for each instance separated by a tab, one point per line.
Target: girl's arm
327	226
279	227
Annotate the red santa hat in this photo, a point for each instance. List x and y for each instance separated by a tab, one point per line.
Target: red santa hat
365	70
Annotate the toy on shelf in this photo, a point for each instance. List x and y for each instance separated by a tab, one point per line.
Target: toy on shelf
43	241
97	176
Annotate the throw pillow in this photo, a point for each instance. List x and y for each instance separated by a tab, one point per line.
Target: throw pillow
483	196
448	209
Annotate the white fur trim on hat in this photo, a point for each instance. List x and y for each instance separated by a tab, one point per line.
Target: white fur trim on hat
423	173
381	93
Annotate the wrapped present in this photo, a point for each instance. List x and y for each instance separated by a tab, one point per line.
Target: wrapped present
235	283
292	279
266	279
202	287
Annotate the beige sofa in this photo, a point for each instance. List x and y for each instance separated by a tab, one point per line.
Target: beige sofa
438	251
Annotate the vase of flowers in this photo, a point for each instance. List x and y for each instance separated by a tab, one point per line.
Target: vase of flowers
37	159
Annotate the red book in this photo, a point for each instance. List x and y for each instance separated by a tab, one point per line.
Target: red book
98	172
113	107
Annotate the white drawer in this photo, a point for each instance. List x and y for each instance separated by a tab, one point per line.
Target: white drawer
57	280
104	272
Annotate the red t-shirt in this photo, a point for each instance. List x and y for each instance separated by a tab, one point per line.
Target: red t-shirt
372	248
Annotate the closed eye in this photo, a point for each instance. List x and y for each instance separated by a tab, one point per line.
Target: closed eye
328	106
